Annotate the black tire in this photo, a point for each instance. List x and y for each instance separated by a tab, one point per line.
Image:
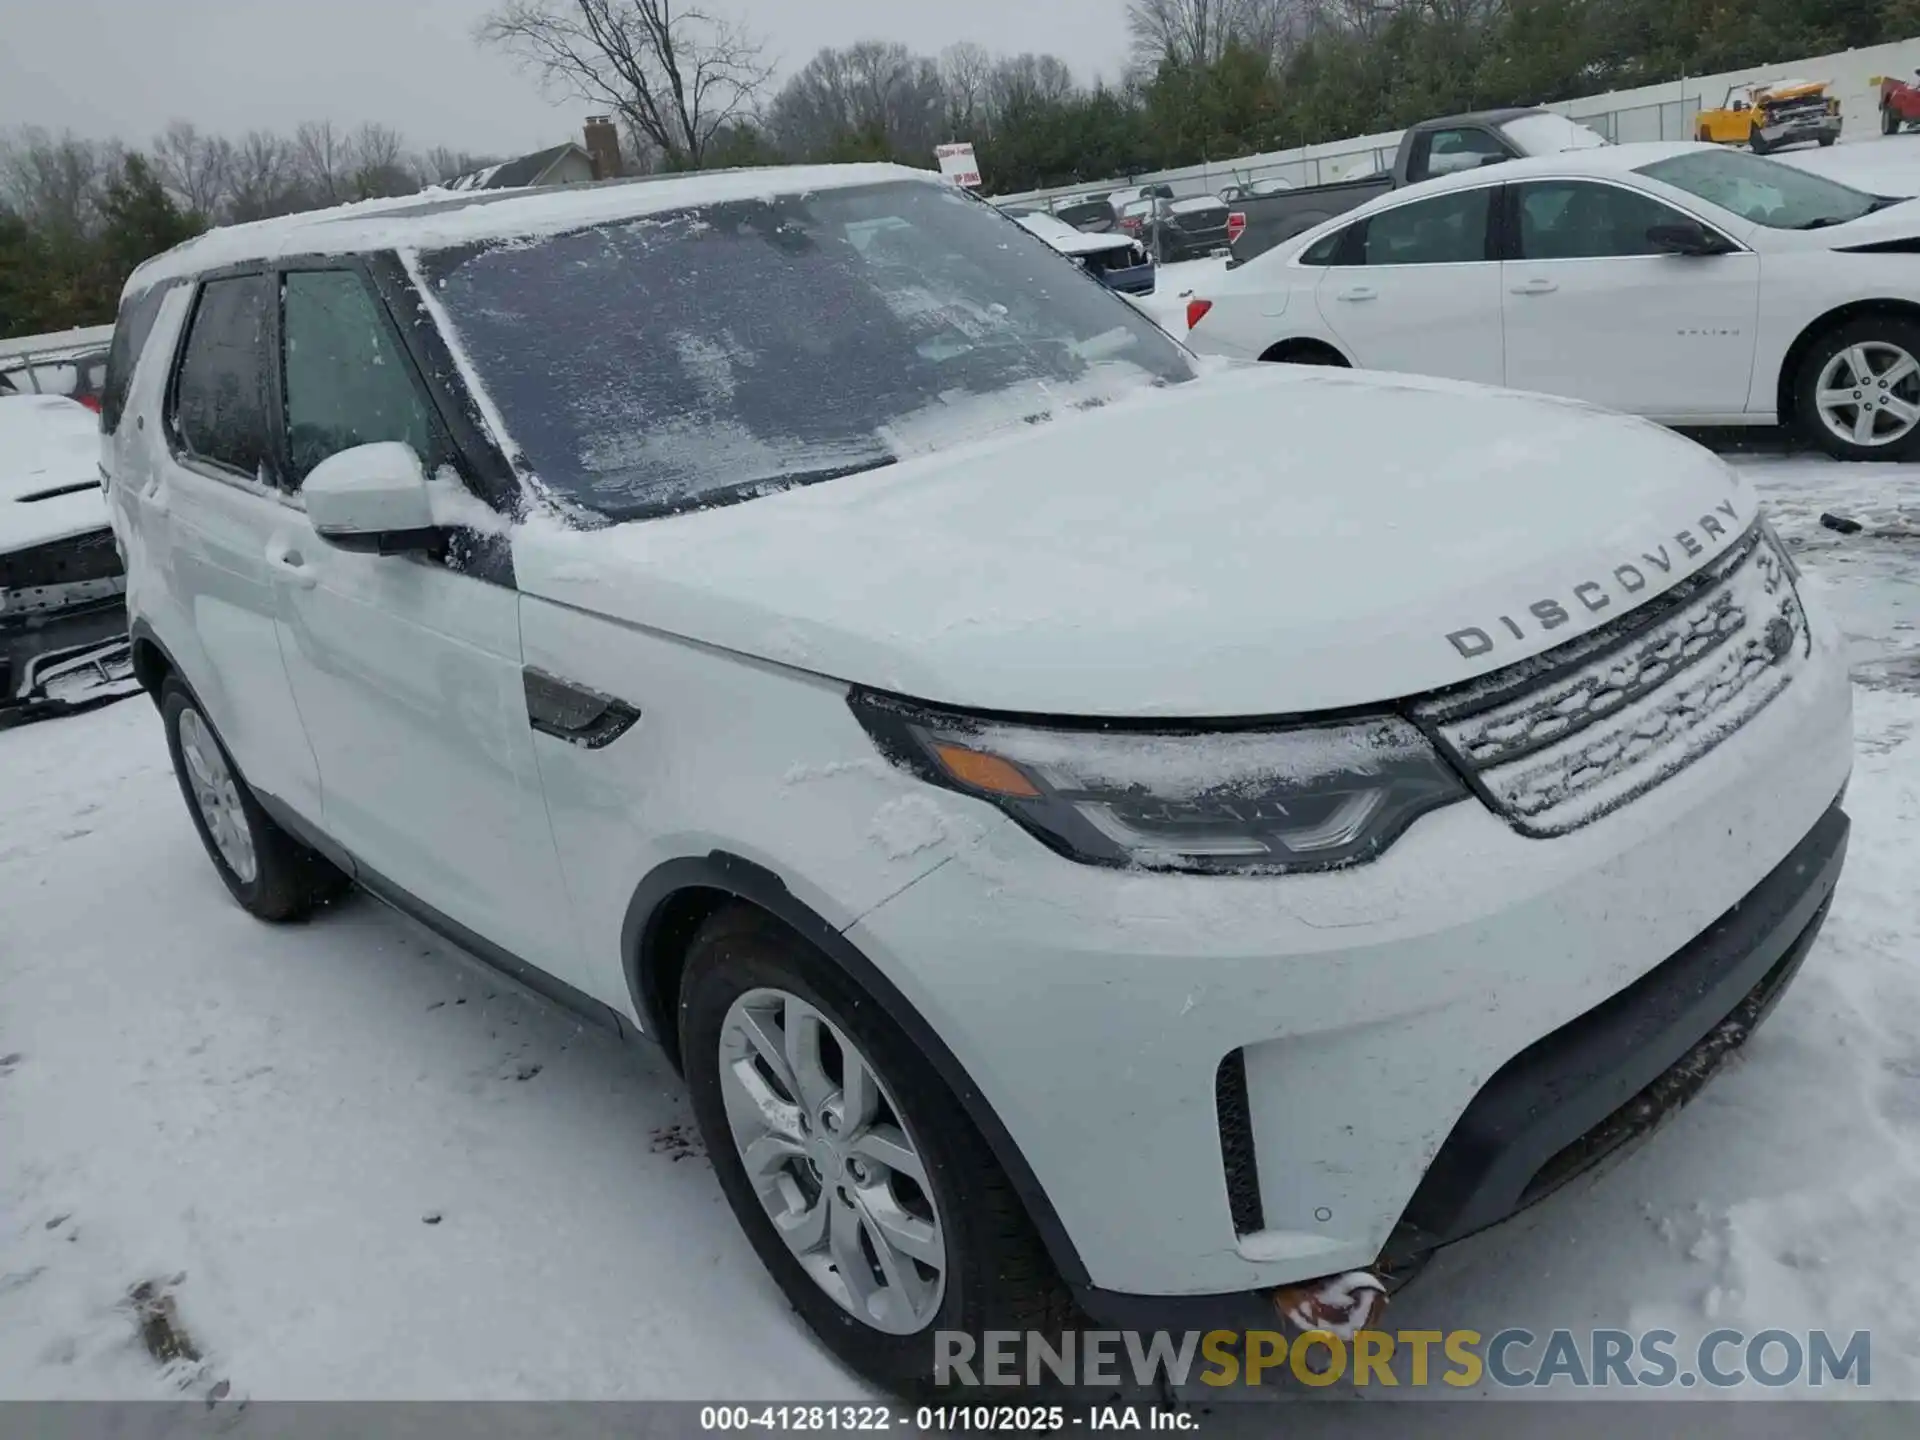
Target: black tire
289	879
1308	353
1706	136
1757	142
1826	140
1865	330
998	1275
1889	122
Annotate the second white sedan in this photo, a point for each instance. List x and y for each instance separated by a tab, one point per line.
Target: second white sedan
1687	283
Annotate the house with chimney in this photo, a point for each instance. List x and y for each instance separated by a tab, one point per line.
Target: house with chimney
596	156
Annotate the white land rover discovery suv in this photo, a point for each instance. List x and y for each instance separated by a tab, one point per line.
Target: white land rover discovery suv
1095	828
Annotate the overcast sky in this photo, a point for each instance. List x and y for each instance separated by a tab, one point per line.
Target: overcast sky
124	68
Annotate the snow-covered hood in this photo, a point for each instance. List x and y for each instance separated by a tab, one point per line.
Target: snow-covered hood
1084	243
49	470
1896	222
1263	540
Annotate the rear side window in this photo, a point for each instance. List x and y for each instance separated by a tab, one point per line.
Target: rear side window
220	395
1451	151
347	382
130	330
1446	230
1327	249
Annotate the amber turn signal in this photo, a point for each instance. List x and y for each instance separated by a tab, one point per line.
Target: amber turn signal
985	772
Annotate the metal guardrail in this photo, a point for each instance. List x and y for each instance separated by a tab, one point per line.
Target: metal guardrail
1667	120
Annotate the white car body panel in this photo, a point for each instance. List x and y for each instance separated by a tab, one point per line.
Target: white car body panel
1682	339
1417	319
408	679
48	443
1673	338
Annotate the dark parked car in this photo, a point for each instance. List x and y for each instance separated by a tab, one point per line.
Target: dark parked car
1115	261
1091	213
1178	229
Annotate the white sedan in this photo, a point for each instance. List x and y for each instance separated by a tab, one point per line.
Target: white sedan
1687	283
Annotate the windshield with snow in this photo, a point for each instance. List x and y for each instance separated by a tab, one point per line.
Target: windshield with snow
716	353
1550	134
1765	192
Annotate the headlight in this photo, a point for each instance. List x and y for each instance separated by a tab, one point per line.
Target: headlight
1282	800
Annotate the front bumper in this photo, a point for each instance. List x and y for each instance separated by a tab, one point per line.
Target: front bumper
1132	280
66	656
1377	1017
1801	129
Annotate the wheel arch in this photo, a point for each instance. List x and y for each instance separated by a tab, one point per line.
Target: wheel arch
1292	349
1809	335
152	663
667	910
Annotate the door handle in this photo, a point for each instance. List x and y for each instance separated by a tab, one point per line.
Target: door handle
1535	287
1358	292
291	566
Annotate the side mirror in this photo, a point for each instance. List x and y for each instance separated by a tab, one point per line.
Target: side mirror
1685	239
372	497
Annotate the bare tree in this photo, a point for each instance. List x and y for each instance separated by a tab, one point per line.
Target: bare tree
1198	32
261	178
323	162
874	97
676	74
1020	82
55	182
964	70
375	156
441	164
193	166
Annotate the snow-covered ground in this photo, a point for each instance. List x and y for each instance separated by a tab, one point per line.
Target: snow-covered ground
343	1162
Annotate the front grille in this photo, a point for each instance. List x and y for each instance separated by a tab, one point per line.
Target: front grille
1556	742
1797	109
1236	1144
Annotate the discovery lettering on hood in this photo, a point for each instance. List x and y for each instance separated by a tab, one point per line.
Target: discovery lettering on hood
1628	579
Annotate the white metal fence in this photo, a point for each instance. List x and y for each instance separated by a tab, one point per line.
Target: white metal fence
1659	112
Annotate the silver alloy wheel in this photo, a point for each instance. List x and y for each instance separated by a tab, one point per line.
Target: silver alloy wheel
828	1154
1869	394
217	794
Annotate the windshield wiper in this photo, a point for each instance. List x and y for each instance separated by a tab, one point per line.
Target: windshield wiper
744	490
1821	222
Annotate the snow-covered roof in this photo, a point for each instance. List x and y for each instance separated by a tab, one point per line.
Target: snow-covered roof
60	344
517	174
435	219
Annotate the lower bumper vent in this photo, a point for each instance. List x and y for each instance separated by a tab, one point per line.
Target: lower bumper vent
1236	1144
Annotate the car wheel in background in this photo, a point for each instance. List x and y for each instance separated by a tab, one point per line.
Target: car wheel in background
1857	393
1757	142
865	1189
1889	122
271	874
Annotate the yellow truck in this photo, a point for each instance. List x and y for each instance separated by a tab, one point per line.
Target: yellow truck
1772	114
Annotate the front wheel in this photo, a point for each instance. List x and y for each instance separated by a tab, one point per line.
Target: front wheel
1826	140
868	1193
1857	394
1758	142
1889	122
